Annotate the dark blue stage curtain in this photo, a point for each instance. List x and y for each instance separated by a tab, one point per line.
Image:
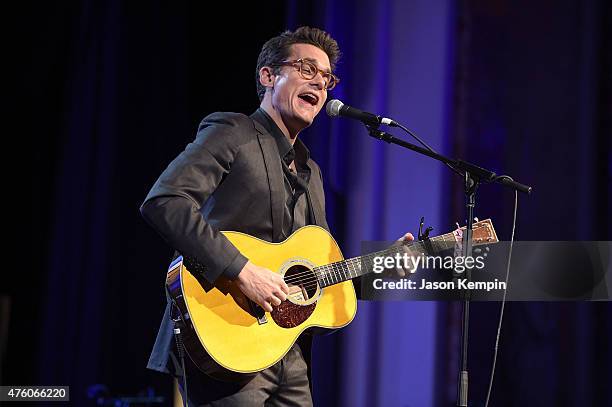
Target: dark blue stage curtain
520	88
397	62
80	255
120	89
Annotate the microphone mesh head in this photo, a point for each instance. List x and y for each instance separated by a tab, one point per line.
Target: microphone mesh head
333	107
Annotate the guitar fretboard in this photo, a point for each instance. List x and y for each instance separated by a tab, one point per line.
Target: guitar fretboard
348	269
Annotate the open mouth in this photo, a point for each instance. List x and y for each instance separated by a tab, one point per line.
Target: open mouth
309	98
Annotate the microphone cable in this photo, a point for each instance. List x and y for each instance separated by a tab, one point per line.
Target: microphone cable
424	144
503	304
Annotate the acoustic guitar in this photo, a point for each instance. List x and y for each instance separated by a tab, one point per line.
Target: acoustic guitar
224	331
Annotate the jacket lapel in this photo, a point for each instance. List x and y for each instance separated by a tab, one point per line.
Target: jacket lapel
274	170
314	198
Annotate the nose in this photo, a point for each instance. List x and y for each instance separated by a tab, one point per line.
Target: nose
319	81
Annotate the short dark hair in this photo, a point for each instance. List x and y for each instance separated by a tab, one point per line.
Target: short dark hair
277	49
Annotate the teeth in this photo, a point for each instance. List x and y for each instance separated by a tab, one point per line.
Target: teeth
310	97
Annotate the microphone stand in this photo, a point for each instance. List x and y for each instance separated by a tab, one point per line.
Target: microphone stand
476	173
473	177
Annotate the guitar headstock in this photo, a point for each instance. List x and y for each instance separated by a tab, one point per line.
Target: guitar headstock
483	233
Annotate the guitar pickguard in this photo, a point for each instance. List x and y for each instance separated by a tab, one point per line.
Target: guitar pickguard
290	315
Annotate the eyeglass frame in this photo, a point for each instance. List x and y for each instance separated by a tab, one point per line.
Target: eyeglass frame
302	61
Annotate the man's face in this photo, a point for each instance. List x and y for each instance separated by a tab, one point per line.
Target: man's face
296	99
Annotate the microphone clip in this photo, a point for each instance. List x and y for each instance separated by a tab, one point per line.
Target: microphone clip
378	134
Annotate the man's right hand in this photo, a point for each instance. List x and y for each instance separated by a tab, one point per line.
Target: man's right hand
261	285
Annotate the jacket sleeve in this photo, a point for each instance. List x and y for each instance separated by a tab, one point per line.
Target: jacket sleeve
173	205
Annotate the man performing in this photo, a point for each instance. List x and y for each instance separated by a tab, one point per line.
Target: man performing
250	174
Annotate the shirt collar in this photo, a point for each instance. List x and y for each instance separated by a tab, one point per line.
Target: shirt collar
287	152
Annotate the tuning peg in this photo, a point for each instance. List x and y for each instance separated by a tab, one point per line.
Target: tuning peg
475	219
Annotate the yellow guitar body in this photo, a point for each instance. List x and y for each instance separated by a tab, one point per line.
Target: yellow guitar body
246	341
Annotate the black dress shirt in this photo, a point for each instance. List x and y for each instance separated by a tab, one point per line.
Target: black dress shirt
296	211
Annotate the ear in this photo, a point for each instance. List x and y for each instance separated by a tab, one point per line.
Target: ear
266	77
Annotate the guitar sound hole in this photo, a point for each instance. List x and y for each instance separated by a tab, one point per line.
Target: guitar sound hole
302	283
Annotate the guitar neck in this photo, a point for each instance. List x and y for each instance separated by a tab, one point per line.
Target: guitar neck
348	269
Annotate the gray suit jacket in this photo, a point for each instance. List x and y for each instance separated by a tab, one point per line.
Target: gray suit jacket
229	178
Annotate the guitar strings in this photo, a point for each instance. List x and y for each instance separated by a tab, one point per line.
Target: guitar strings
339	266
335	272
311	278
335	267
311	281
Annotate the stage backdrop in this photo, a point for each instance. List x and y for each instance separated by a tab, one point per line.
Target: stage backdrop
508	86
116	90
397	62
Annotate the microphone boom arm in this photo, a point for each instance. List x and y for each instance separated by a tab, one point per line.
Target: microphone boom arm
479	174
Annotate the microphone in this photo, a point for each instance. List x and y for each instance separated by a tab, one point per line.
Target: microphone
336	108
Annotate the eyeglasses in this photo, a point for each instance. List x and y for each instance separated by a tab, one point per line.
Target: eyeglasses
309	70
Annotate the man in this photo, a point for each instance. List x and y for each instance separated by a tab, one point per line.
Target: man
250	174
